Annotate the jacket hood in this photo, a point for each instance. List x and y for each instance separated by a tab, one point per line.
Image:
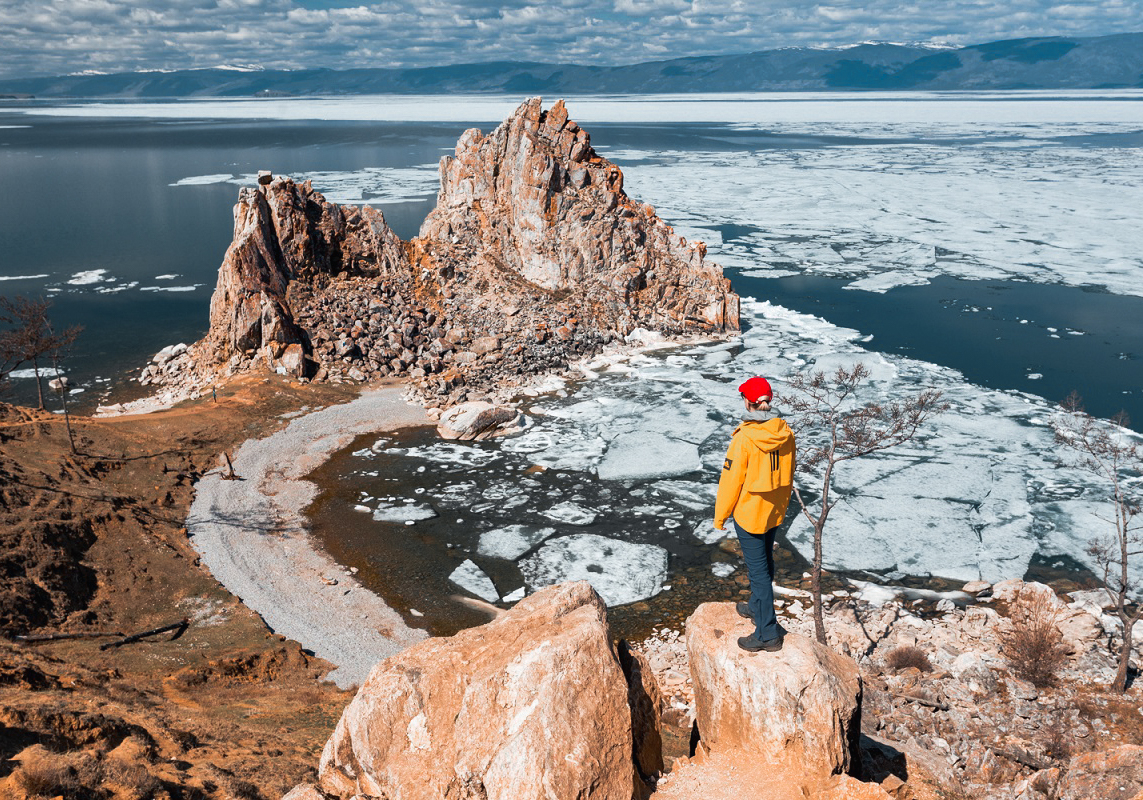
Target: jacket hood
768	434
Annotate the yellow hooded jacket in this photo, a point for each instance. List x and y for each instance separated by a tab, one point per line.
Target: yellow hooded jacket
757	476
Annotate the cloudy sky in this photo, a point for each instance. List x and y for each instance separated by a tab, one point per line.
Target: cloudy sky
49	37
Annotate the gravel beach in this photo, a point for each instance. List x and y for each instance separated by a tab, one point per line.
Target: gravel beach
252	536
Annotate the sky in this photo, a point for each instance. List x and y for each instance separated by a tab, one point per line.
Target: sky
55	37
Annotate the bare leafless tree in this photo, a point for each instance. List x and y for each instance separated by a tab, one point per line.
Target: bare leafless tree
28	337
833	426
1115	455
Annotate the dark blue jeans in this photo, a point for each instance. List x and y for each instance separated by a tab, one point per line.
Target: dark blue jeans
758	552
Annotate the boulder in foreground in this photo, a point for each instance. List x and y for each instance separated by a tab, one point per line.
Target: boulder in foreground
800	706
535	704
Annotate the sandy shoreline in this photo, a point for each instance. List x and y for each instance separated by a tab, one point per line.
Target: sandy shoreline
252	536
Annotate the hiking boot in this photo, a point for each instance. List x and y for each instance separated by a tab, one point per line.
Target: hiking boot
753	644
743	610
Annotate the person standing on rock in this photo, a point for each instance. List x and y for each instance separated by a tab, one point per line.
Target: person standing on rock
753	492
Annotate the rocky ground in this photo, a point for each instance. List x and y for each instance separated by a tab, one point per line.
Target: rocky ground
964	717
93	544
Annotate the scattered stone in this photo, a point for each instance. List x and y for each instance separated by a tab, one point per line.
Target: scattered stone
480	420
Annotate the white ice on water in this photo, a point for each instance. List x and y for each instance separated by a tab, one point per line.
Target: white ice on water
647	454
622	572
570	513
976	185
388	512
511	541
366	186
87	277
897	214
976	497
472	578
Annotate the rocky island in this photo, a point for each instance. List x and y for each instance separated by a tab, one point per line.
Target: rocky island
534	256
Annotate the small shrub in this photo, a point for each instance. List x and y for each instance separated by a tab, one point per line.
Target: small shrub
54	775
1032	642
133	780
900	658
1058	739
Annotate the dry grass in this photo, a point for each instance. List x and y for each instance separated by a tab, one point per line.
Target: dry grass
51	775
1058	738
900	658
132	780
1032	642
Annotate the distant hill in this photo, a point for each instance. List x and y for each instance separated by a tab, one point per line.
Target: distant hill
1043	63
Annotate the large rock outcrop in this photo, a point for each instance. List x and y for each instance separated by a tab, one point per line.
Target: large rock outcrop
534	198
286	236
532	705
535	255
801	705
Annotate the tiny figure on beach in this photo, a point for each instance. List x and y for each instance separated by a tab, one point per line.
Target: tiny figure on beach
753	492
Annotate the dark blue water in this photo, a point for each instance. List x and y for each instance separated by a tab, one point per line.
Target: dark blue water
996	333
86	194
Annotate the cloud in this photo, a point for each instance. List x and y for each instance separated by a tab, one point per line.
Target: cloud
49	37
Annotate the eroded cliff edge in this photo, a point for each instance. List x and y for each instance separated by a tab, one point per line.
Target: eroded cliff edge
534	255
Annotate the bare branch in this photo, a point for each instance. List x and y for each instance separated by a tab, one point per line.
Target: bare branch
832	426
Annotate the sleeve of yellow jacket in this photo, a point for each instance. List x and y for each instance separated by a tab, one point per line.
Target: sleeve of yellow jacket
730	481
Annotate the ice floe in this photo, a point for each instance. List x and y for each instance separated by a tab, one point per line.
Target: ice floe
570	514
722	569
88	277
512	541
976	185
473	579
387	512
366	186
977	496
646	454
622	572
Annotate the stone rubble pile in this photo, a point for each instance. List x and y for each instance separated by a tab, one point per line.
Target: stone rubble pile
969	722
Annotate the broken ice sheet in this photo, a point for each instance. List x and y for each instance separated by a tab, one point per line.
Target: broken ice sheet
706	532
387	512
570	514
451	454
642	455
689	494
622	572
512	541
472	578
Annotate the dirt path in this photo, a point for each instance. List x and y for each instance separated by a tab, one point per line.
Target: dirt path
251	535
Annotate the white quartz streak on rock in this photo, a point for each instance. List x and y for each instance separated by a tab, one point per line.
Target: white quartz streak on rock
252	537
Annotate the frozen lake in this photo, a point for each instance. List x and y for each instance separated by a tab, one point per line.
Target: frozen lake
985	244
